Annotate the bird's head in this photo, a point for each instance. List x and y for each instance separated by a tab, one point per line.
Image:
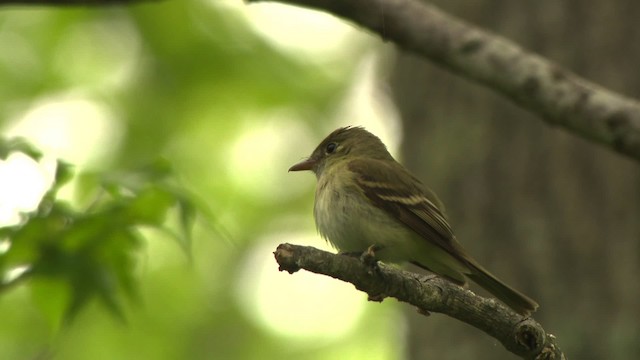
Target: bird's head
342	144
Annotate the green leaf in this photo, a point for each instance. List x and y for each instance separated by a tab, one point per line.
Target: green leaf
187	212
150	206
64	174
94	252
29	240
18	145
51	296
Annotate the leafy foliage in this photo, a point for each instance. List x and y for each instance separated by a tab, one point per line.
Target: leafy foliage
91	253
184	81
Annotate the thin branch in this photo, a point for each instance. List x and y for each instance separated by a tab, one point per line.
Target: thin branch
557	95
522	336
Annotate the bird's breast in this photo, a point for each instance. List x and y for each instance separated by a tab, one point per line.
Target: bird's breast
349	221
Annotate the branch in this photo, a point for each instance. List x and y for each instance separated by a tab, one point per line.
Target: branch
522	336
557	95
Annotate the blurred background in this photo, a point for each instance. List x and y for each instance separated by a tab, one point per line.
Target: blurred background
187	114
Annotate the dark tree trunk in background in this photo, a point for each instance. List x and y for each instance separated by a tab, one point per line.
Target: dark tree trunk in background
551	214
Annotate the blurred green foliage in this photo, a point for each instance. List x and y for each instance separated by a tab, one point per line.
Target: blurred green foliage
160	245
90	253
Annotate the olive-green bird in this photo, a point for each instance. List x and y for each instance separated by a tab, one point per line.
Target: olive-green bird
364	197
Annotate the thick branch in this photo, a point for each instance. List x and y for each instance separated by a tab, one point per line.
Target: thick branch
520	335
557	95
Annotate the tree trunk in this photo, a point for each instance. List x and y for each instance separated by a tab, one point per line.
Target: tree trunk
550	214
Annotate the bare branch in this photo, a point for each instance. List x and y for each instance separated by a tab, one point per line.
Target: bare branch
557	95
522	336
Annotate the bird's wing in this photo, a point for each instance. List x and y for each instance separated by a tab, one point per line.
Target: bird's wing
390	187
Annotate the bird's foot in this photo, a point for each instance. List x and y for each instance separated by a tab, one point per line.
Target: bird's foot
368	258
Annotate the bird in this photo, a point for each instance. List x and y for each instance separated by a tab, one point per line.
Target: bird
366	200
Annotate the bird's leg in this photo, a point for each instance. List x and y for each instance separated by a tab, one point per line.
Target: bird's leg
368	257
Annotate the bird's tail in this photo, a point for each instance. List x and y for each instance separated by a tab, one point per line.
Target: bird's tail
511	297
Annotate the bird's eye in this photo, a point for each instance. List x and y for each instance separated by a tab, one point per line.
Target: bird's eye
331	148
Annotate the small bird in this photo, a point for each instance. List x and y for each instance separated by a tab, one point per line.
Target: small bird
365	199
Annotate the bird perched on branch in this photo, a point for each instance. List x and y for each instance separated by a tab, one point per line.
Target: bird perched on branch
365	199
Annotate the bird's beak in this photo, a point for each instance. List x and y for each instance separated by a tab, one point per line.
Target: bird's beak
307	164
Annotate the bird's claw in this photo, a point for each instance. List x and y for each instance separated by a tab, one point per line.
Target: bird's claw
368	257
